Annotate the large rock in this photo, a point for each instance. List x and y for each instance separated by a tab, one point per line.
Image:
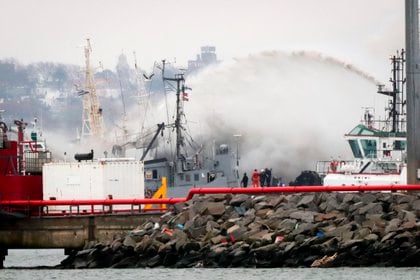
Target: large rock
129	241
287	225
237	200
355	206
328	216
181	218
416	205
308	202
393	225
215	209
236	233
368	198
143	244
371	208
351	198
305	216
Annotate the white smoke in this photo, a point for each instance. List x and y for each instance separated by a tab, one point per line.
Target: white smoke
291	109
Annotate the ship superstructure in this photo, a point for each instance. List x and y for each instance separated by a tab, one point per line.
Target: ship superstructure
378	145
21	162
188	168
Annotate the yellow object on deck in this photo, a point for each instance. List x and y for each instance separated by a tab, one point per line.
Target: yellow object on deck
160	193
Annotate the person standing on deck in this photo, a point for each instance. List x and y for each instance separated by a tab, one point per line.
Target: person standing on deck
244	182
256	179
262	178
268	177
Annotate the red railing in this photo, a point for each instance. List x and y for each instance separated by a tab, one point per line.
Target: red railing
108	204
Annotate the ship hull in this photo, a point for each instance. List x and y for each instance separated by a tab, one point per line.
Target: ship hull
14	187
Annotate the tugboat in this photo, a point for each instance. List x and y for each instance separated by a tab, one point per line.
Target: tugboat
21	163
378	145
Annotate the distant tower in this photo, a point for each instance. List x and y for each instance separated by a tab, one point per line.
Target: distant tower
207	57
92	119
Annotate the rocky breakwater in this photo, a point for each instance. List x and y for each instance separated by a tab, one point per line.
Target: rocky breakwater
299	230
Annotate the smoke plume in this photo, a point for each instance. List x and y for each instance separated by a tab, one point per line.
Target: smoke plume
291	109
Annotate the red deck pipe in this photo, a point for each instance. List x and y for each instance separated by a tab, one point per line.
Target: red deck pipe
262	190
192	192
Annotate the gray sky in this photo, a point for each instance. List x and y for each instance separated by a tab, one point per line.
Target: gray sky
361	32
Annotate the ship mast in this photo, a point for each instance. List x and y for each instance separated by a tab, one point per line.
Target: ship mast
92	112
397	93
180	88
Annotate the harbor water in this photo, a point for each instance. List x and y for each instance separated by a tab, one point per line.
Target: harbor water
33	264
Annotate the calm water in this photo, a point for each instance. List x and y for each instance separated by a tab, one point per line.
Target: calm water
31	258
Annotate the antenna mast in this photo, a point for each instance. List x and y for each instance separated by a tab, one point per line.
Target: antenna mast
92	112
180	87
397	102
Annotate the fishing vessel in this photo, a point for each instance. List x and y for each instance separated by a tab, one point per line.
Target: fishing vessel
188	167
378	145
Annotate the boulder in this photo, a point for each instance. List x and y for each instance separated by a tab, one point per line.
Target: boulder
219	239
262	205
304	228
351	197
368	198
238	199
129	241
353	207
393	225
143	244
327	216
305	216
331	203
416	205
215	209
181	218
371	208
236	233
179	207
308	202
371	237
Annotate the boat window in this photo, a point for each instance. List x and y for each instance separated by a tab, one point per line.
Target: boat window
155	174
181	177
187	177
362	130
399	145
369	147
148	175
196	177
355	148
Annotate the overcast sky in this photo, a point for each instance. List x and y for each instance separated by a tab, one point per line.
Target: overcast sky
356	31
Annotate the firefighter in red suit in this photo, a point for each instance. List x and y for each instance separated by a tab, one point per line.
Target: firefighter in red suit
255	179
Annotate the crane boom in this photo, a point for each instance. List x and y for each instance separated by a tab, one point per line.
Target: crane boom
92	112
